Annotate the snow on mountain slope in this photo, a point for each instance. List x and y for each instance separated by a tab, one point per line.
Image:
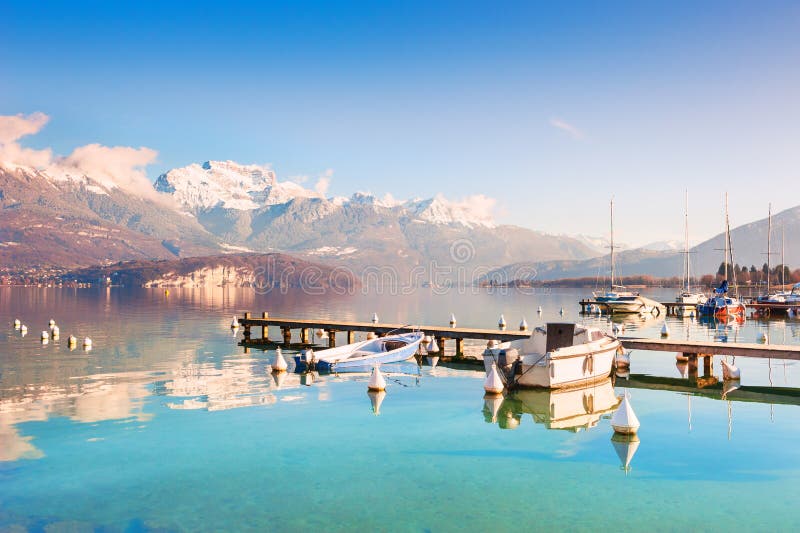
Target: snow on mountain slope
229	185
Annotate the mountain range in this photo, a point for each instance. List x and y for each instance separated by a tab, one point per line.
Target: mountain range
76	220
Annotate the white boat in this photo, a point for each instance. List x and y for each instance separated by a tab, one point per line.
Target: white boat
634	305
563	355
690	299
389	349
615	292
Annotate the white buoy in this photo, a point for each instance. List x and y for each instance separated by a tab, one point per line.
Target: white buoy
72	340
433	361
45	336
523	326
280	363
87	342
52	323
665	330
624	420
278	378
374	318
502	322
234	322
730	371
452	320
376	399
371	335
730	385
421	351
432	346
55	331
23	329
493	384
763	338
539	310
561	311
17	323
376	381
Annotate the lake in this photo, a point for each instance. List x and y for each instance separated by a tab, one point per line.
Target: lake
168	425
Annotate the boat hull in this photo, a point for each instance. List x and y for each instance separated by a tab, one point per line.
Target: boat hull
369	359
589	365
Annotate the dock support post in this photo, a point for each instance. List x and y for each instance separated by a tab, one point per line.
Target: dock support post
247	328
331	338
708	366
287	336
459	347
264	331
304	335
440	342
693	368
351	337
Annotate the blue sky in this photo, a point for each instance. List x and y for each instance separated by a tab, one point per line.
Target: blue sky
549	107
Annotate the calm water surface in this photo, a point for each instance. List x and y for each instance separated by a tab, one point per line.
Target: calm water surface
168	425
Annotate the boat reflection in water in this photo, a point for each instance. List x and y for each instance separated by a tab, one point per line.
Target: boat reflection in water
568	409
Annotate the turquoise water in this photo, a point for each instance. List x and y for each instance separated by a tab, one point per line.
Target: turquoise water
167	425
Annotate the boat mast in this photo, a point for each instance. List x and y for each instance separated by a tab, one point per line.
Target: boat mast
730	247
727	235
769	246
783	262
612	244
686	242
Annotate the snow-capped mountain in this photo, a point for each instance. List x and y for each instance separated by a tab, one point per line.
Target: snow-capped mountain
228	185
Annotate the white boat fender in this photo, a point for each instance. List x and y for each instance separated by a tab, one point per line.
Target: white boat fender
45	336
52	323
280	363
87	342
493	384
539	310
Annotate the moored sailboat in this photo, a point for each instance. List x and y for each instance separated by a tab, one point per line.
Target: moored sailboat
691	299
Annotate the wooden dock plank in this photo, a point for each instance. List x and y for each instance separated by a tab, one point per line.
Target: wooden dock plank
776	351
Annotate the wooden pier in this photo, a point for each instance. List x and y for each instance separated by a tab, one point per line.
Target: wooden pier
305	326
691	349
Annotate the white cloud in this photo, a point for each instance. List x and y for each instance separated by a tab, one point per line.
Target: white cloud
565	126
111	166
324	182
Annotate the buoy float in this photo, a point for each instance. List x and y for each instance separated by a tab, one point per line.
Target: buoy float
539	310
87	342
17	323
376	381
234	322
561	311
665	330
52	323
376	399
452	320
763	338
45	336
502	322
730	371
166	292
432	346
280	363
56	332
624	420
493	384
72	340
23	329
523	326
374	318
